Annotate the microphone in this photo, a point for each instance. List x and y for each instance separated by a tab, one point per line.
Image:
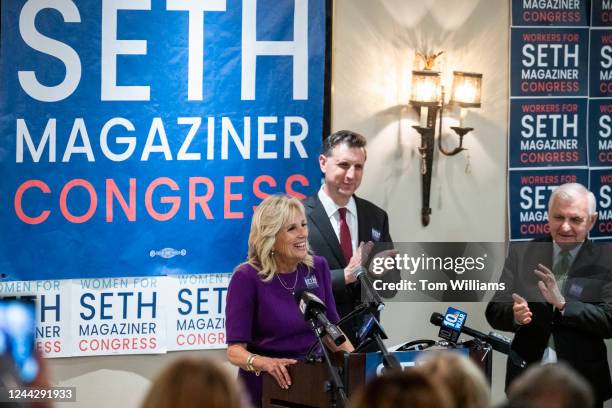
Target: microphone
371	296
451	326
368	332
314	309
495	340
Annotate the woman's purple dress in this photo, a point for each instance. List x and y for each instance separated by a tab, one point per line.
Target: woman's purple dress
266	317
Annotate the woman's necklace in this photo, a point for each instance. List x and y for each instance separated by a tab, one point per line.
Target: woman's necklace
290	289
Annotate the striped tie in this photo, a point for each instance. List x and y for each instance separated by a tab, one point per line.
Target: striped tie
561	268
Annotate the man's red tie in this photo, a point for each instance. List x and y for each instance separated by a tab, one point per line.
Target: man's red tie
345	236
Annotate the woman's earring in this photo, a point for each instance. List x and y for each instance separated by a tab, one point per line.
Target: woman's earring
272	252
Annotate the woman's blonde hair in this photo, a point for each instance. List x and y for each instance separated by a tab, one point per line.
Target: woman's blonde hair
465	381
269	218
194	383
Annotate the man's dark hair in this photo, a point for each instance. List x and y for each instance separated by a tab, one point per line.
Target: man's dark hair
551	385
352	139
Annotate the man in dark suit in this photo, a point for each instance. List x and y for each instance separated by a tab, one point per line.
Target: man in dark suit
339	221
558	294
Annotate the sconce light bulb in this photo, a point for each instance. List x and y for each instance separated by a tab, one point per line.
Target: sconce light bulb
426	91
465	93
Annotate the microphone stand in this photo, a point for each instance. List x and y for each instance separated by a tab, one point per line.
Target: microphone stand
335	381
377	333
389	360
362	308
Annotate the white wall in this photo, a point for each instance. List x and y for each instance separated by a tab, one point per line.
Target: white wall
373	52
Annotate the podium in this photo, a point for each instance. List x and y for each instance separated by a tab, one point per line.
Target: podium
310	381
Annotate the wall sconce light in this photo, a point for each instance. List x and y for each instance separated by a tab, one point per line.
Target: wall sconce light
428	99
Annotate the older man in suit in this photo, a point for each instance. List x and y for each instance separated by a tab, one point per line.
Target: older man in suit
339	220
558	296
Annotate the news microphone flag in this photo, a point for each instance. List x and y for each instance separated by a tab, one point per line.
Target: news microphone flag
453	322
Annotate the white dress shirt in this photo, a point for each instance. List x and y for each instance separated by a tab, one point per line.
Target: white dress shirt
331	209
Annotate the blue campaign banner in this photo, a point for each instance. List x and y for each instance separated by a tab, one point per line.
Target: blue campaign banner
600	132
600	65
548	132
549	61
601	13
601	186
528	196
137	137
550	13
